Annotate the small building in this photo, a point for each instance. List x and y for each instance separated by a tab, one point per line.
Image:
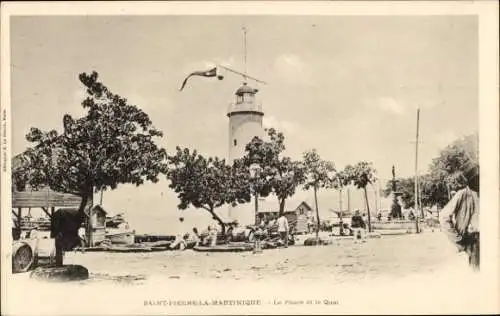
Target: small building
297	217
98	225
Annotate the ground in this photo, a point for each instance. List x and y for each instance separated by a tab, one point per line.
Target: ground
342	261
406	266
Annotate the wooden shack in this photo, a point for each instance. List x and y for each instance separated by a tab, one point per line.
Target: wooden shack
98	225
297	217
43	198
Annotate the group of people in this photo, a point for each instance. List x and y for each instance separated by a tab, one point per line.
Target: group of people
185	239
267	227
193	238
357	228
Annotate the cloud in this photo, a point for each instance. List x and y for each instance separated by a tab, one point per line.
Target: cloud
287	127
291	69
387	104
390	105
445	137
228	62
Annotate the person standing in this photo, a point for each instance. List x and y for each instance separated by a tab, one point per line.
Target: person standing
283	229
309	225
212	233
81	236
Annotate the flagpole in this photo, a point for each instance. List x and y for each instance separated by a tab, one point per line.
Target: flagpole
245	51
241	74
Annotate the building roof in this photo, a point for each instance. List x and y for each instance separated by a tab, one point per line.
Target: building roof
309	208
275	211
272	207
246	89
99	208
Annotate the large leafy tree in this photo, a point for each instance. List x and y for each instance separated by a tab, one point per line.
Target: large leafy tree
280	174
207	183
319	174
361	175
112	144
456	166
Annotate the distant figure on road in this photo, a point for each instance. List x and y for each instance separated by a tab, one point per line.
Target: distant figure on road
283	229
358	225
81	235
309	224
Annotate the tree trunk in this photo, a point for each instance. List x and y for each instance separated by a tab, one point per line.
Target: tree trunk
282	207
220	221
59	237
368	209
317	211
341	221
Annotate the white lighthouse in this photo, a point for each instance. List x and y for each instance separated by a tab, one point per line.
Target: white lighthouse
245	122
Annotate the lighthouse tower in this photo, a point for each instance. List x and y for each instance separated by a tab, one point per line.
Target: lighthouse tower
245	122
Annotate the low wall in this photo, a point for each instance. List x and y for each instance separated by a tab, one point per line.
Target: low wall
396	225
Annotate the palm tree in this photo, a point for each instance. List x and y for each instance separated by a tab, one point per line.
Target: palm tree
362	174
319	175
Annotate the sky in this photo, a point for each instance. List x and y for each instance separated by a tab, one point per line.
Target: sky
348	86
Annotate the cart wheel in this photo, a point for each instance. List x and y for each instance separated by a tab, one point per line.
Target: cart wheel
23	259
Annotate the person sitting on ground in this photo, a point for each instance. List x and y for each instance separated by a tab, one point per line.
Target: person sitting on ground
358	225
204	237
179	237
193	239
411	216
341	227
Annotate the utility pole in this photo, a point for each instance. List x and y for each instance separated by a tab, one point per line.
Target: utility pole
417	185
417	215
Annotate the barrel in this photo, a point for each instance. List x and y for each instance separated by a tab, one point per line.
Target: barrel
23	257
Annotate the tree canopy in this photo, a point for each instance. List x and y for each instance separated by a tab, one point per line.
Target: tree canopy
280	174
207	183
112	144
361	174
456	166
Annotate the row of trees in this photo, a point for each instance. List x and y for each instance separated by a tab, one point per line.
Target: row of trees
456	166
114	143
209	183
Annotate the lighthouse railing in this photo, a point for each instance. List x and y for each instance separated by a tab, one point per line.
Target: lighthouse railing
244	106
